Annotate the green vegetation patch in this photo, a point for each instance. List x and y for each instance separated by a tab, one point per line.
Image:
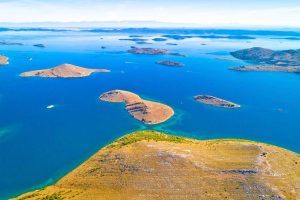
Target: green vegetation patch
29	196
148	136
54	196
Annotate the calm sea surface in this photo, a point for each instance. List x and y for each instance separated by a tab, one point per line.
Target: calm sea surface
39	145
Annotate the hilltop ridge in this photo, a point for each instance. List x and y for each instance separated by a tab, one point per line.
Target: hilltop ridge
153	165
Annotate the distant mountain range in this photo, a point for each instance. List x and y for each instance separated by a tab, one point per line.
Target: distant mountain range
97	24
170	32
135	24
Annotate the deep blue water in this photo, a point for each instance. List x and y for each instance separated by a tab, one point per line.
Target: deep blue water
39	145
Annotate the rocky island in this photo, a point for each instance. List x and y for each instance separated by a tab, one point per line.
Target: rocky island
159	39
178	37
172	44
134	39
142	42
64	71
135	36
152	51
148	112
39	45
287	38
267	68
211	100
153	165
11	43
3	60
210	36
170	63
263	56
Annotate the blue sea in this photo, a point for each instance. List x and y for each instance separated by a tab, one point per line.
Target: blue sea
39	145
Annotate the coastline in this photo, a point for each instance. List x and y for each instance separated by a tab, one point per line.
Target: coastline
110	144
185	127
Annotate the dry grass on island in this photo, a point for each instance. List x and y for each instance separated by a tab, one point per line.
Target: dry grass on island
211	100
3	60
64	71
152	165
148	112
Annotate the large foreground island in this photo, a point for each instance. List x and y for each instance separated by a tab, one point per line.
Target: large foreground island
152	165
64	71
148	112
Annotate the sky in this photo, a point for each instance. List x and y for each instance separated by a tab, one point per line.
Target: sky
277	13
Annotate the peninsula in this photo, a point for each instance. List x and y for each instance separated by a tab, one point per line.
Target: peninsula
170	63
268	68
148	112
64	71
227	59
152	51
153	165
3	60
262	56
211	100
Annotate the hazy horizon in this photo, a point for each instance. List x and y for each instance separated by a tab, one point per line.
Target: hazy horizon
136	24
215	13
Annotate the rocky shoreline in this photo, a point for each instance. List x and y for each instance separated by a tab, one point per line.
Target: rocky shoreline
211	100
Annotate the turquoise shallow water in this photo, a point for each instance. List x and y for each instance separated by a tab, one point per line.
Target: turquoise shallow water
39	145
